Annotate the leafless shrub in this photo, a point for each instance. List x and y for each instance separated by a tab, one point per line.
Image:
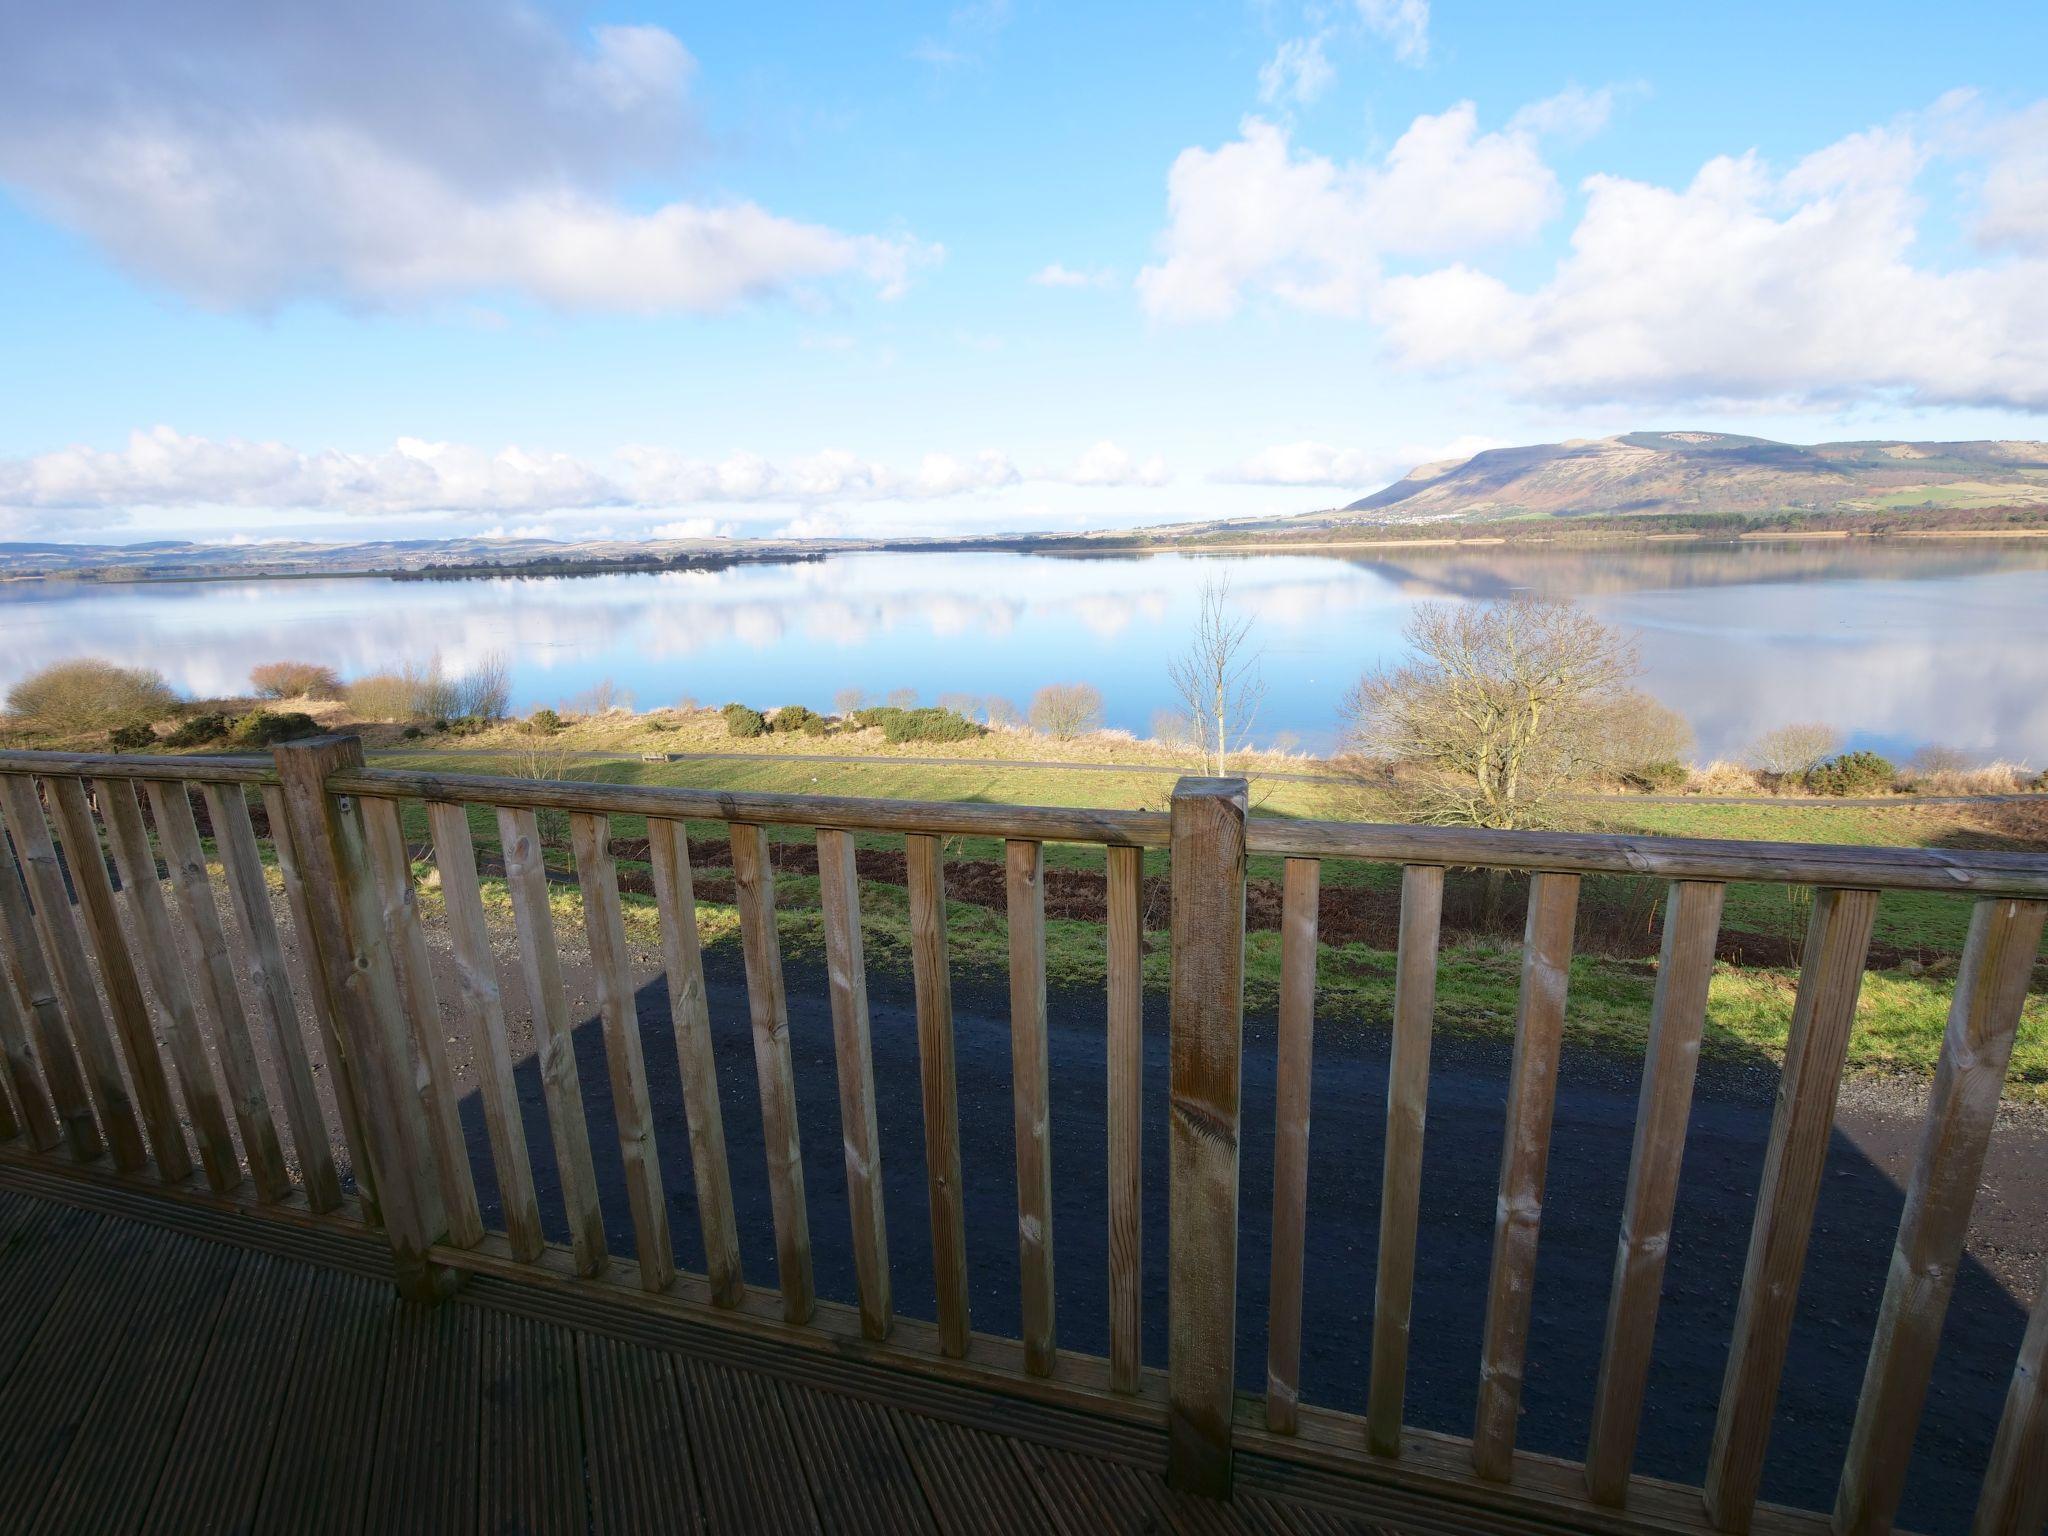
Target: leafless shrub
601	698
294	680
1793	751
1066	710
89	695
848	702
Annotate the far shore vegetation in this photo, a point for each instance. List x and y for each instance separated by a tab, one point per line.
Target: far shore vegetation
1507	715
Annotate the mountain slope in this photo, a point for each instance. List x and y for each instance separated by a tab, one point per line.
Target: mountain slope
1661	472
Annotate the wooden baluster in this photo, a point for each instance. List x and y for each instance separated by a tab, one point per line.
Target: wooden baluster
540	961
30	973
2014	1500
1030	1097
178	833
1205	1055
1831	975
1983	1018
346	937
64	947
476	990
1300	890
754	881
25	1065
932	980
341	1065
10	1118
391	868
161	962
1422	905
1524	1159
846	978
590	836
668	852
1678	1016
1126	1053
234	835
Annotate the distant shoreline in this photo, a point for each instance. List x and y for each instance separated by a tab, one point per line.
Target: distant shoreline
1112	547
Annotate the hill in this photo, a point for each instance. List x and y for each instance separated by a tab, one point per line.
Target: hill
1711	472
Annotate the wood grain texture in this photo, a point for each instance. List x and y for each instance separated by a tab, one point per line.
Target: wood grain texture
1030	1099
540	962
29	973
64	948
483	1012
668	852
631	1109
346	936
1830	977
391	868
2014	1501
1205	1073
30	1090
931	977
768	1008
1524	1161
1125	1049
846	980
341	1070
177	832
1422	905
1301	884
1984	1017
234	836
161	962
1678	1017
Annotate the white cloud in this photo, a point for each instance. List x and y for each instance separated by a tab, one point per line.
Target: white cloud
1298	72
1402	24
389	154
1109	464
1749	286
162	468
1258	215
970	32
1055	275
1321	464
1317	464
1573	113
2014	195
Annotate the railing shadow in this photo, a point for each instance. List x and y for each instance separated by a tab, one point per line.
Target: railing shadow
1854	1230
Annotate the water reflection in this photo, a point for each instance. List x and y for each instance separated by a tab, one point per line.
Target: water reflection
1897	644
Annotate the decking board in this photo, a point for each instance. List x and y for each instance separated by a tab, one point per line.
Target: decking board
161	1380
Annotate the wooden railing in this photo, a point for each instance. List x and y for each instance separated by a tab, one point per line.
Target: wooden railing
89	1086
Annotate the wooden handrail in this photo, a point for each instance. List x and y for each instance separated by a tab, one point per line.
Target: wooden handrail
82	1037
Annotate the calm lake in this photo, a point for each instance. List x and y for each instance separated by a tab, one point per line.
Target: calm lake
1898	645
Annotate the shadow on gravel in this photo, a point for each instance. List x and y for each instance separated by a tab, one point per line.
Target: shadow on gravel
1854	1230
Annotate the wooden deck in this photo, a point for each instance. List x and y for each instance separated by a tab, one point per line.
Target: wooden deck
152	1379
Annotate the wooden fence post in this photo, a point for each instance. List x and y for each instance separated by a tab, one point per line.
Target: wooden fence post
1205	1064
354	964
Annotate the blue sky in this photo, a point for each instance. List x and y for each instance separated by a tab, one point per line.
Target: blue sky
392	270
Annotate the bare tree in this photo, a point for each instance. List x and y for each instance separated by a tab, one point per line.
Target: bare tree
1001	714
1792	751
1500	707
1066	710
848	702
1218	678
902	698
